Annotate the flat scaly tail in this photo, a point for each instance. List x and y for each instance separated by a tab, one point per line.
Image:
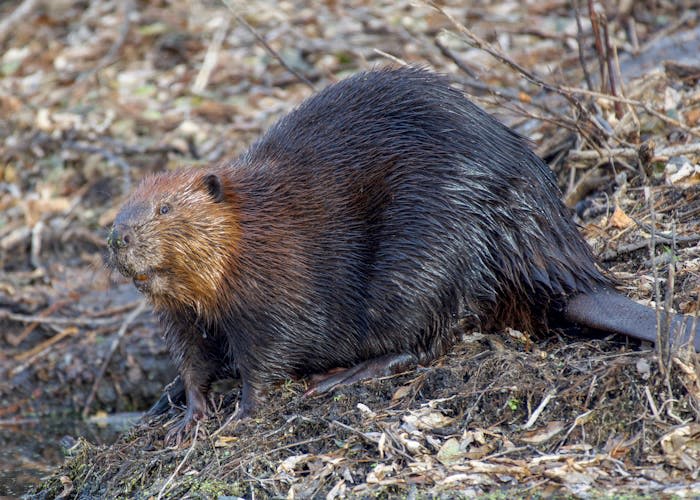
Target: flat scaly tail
609	311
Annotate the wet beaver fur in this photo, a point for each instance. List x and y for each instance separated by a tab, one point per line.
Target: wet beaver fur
363	230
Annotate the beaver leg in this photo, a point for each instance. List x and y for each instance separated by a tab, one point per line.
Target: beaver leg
610	311
193	352
248	401
381	366
196	410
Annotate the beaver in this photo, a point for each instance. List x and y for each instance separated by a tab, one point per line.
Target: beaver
364	230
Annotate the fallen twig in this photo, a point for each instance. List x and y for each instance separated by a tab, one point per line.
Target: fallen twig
111	55
266	46
652	403
391	57
368	438
503	58
638	245
181	464
15	340
445	51
580	43
609	60
595	28
211	57
20	14
107	155
634	102
115	310
113	347
535	414
633	153
26	355
52	320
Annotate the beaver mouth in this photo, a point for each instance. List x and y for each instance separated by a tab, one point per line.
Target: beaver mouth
142	280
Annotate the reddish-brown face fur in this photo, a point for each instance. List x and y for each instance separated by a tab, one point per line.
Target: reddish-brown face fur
177	255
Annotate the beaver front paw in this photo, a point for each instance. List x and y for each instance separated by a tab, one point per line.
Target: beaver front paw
196	412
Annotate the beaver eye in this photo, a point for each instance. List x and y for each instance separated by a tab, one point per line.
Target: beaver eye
164	209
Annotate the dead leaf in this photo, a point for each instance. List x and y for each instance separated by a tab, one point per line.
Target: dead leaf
543	434
290	463
380	472
450	453
478	452
643	368
67	487
225	441
692	117
401	392
620	219
681	447
216	112
511	467
427	419
685	175
35	209
526	98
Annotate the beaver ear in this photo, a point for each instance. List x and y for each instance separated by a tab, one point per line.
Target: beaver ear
213	185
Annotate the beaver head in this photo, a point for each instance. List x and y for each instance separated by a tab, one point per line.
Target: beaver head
175	237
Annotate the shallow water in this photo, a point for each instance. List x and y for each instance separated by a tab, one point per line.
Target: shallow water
30	449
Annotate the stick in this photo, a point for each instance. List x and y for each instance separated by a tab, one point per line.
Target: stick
267	47
115	343
397	60
500	56
111	55
633	247
15	340
535	414
595	27
52	320
21	13
579	43
26	355
181	464
609	60
632	153
646	107
211	57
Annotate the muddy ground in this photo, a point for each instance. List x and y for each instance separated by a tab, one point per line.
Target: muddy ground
96	95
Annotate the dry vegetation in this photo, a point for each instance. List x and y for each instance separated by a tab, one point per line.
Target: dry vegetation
95	95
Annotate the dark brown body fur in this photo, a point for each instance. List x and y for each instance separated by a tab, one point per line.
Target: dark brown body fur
375	220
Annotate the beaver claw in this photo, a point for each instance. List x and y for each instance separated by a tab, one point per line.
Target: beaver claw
196	411
183	428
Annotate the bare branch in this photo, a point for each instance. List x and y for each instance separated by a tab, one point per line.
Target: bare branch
21	13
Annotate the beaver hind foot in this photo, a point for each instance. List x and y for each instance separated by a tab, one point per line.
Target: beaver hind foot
378	367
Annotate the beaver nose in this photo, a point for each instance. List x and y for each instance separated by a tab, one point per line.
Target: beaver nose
119	238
